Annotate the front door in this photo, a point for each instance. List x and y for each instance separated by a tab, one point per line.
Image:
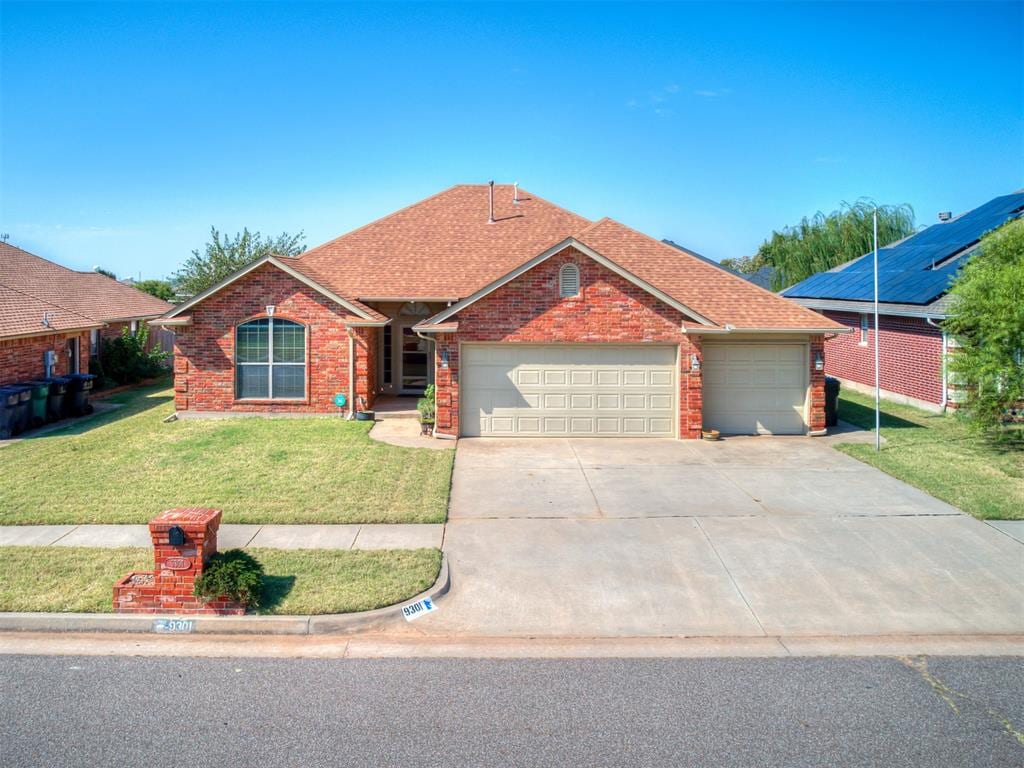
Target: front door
73	355
414	368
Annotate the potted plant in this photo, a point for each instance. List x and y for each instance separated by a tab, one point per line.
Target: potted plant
427	408
711	434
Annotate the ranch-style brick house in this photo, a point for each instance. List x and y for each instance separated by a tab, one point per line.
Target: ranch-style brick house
529	320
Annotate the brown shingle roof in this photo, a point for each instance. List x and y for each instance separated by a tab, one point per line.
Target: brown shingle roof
442	247
721	297
89	295
22	315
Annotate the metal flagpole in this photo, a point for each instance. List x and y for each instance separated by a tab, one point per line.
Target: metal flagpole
878	391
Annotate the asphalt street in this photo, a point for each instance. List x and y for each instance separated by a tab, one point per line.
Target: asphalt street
61	711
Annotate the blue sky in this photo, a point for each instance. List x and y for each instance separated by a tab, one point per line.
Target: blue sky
129	129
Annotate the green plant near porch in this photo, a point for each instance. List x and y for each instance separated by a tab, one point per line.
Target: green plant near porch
427	405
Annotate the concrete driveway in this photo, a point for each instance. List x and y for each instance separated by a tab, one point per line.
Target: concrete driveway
745	537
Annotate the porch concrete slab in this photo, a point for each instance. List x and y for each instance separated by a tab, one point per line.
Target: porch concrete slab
32	535
591	578
667	491
826	493
406	433
233	536
306	536
399	536
522	452
519	492
1012	528
605	451
878	575
107	536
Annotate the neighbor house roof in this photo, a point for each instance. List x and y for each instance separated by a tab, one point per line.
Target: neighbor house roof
916	270
445	248
22	314
32	281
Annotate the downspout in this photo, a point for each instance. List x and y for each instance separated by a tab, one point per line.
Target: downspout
351	374
945	370
435	433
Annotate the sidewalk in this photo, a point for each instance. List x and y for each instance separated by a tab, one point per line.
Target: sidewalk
383	536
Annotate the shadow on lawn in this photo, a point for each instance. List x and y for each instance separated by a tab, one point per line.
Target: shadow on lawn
864	417
120	406
275	590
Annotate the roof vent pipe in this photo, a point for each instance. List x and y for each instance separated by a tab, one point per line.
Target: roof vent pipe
945	215
490	192
515	193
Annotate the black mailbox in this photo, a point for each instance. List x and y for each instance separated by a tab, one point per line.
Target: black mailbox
176	536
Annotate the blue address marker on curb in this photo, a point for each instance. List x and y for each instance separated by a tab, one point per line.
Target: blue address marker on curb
419	608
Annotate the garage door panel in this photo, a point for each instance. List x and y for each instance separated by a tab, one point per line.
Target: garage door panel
755	388
568	390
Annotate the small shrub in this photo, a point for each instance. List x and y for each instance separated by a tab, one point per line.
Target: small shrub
234	574
426	405
125	359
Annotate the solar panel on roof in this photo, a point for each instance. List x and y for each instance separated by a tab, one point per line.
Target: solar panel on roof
915	271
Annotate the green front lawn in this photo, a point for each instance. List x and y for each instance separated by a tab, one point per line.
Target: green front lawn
127	466
81	580
941	456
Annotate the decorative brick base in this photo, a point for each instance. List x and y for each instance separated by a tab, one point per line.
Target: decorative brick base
168	589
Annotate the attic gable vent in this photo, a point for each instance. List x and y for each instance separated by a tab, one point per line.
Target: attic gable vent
569	280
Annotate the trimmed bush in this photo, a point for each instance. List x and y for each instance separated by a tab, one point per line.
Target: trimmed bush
234	574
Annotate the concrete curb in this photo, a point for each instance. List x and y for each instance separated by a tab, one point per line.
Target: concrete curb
340	623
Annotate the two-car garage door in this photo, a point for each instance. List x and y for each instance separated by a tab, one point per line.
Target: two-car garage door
569	390
605	390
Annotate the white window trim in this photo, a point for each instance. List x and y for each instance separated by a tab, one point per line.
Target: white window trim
133	326
270	362
864	328
565	269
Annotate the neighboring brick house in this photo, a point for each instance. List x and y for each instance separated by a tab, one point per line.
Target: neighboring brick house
529	319
914	277
47	308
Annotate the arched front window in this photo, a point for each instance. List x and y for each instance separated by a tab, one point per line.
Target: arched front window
270	360
569	280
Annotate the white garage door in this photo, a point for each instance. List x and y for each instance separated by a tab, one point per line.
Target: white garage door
562	390
754	389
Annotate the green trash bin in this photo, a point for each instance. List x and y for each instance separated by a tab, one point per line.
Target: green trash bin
37	406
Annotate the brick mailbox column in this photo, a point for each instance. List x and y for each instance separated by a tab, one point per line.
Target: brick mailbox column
168	589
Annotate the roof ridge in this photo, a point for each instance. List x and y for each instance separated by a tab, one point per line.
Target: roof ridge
592	225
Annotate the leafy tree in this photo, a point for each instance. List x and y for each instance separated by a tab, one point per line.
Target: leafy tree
224	255
106	272
746	265
987	320
125	359
822	241
160	288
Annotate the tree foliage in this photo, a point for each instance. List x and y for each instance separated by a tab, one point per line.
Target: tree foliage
746	265
223	255
987	320
160	288
125	359
104	272
822	241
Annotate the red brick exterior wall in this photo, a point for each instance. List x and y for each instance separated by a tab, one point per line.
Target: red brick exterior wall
204	352
910	355
816	411
22	359
609	309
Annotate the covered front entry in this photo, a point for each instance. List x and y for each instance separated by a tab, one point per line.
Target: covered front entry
597	390
755	388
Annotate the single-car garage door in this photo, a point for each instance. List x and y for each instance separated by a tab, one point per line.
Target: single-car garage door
568	390
751	389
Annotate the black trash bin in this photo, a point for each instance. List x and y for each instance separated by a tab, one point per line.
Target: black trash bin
55	400
78	392
9	399
831	401
20	421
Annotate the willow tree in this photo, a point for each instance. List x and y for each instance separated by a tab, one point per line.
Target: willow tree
987	320
824	241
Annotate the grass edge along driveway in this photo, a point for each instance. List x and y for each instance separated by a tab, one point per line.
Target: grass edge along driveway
296	581
939	454
127	466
